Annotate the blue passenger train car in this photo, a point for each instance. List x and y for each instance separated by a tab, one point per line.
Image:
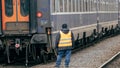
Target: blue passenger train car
84	16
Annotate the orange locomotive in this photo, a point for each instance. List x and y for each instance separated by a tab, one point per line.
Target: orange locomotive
25	25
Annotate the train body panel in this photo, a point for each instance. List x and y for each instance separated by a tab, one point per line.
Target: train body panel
24	24
43	6
18	16
80	19
12	18
84	22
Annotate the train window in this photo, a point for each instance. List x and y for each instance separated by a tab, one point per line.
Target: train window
0	11
61	5
24	7
78	2
107	6
67	5
90	5
75	5
52	5
58	5
70	5
112	6
94	5
82	5
116	6
101	5
0	8
86	5
64	5
9	7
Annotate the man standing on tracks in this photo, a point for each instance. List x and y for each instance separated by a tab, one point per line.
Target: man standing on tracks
64	44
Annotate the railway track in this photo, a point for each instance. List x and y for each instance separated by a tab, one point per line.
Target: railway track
90	57
113	62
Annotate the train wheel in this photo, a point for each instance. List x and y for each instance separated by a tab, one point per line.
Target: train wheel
33	52
54	55
26	62
43	56
8	52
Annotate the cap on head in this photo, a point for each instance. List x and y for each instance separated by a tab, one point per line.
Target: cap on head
64	25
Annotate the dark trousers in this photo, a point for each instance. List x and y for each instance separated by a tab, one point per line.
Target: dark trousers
67	54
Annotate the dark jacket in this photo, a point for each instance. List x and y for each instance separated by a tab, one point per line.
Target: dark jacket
58	39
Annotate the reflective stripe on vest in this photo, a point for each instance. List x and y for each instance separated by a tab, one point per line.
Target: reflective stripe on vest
65	39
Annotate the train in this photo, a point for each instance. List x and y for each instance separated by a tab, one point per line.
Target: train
25	29
28	27
85	17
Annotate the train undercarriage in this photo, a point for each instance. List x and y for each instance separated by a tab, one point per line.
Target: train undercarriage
95	37
25	48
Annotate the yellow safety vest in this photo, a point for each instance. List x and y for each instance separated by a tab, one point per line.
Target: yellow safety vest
65	39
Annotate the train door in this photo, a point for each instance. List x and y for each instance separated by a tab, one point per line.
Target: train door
15	16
